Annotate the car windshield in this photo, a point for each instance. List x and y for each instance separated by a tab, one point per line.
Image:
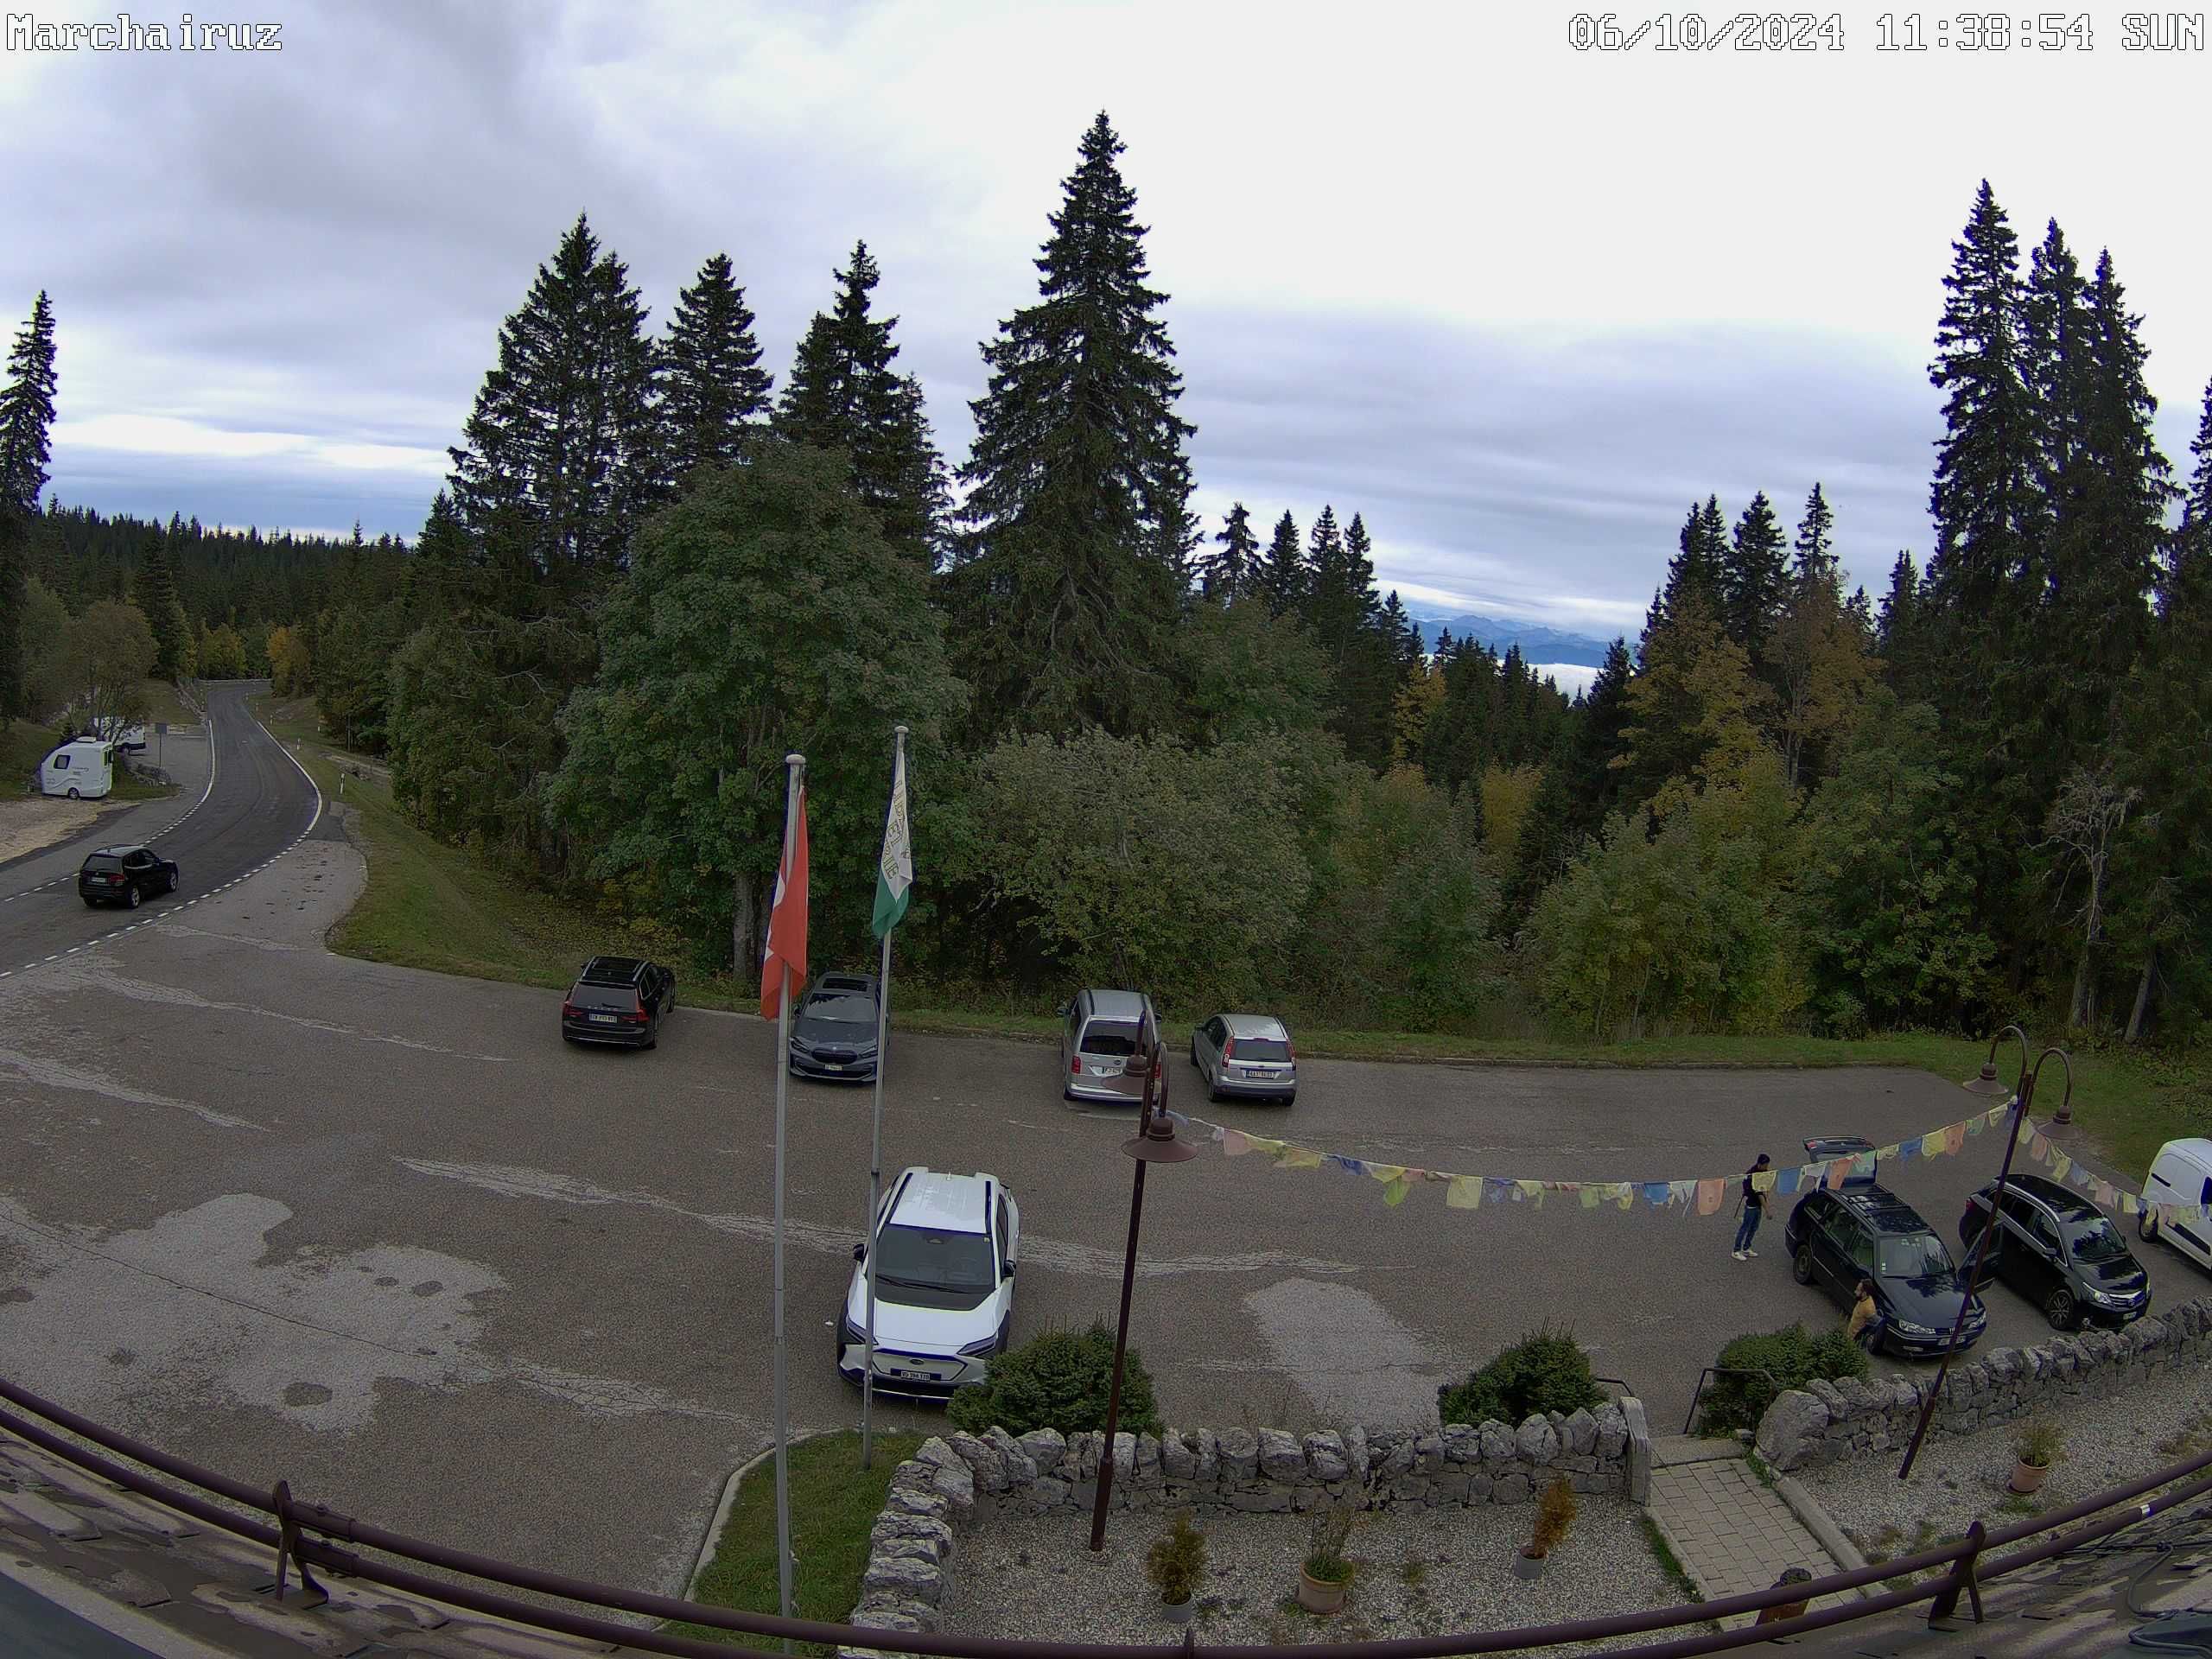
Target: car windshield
2097	1241
1104	1039
1261	1048
841	1007
1919	1255
929	1259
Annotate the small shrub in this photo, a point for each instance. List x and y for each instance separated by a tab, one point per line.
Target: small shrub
1545	1370
1058	1379
1555	1512
1791	1356
1324	1550
1177	1560
2038	1443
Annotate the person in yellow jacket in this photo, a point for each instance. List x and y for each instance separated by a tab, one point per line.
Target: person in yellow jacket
1866	1324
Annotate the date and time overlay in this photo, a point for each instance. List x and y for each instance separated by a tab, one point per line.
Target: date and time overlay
1963	32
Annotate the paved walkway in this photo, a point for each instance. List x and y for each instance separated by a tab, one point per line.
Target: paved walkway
1728	1528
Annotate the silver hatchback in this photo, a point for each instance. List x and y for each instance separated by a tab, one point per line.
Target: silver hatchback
1106	1040
1246	1055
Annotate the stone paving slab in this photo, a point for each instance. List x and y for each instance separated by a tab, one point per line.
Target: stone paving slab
1730	1533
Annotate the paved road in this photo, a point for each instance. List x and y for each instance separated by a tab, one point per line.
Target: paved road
241	801
379	1232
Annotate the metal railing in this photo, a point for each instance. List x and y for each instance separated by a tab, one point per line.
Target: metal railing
303	1532
1712	1371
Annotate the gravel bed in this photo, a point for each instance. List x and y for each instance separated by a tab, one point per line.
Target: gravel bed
1956	1479
1421	1573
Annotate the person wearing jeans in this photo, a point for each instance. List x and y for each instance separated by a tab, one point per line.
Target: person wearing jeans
1754	1210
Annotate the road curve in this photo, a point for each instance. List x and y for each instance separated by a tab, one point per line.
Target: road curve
257	803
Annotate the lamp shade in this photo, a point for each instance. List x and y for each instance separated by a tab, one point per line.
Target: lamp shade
1987	1084
1158	1145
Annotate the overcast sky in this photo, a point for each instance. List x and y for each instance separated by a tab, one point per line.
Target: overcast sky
1518	304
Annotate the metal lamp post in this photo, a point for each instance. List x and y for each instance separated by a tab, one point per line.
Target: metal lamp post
1154	1142
2023	1093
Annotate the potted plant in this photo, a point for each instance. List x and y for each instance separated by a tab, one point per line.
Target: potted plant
1176	1563
1323	1579
2037	1448
1555	1515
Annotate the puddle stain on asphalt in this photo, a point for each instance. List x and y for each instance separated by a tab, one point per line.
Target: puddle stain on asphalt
53	1074
1346	1353
194	1312
515	1182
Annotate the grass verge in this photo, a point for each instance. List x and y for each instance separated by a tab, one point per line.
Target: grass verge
1670	1564
432	905
834	1503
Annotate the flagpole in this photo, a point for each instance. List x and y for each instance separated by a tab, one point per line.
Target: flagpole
875	1142
796	771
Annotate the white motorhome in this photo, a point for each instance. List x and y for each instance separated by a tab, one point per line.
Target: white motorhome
83	768
2182	1175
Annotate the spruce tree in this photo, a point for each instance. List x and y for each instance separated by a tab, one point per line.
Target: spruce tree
1232	574
1077	511
713	388
561	456
843	394
1813	554
154	591
1697	568
1283	576
26	416
1752	575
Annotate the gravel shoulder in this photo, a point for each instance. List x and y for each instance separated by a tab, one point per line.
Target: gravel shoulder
1955	1481
37	821
1420	1574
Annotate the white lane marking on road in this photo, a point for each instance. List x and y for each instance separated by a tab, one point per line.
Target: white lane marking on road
514	1182
310	1334
103	973
53	1074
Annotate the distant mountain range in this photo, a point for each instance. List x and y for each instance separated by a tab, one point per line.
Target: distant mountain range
1538	643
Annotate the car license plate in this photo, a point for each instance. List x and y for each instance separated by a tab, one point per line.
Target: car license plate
833	1065
1105	1070
602	1019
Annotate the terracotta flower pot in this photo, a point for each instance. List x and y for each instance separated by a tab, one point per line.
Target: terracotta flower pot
1526	1566
1319	1595
2028	1476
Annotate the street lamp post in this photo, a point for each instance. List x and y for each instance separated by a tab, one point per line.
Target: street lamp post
2023	1093
1154	1142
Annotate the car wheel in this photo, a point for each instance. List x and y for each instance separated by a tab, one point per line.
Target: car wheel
90	902
650	1042
175	877
2061	1310
1291	1099
2147	1225
73	795
133	897
1800	1266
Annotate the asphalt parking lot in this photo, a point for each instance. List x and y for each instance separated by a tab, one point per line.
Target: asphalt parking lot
380	1233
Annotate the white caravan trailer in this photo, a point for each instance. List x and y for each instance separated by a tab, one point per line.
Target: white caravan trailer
81	768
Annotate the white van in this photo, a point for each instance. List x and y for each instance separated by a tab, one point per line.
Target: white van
2182	1174
82	769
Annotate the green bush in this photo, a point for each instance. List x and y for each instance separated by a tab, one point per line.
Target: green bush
1545	1370
1058	1379
1792	1358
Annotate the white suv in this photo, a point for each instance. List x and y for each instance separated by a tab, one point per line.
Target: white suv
945	1252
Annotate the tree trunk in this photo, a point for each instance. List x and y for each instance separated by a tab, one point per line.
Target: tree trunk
745	926
2143	994
2078	1016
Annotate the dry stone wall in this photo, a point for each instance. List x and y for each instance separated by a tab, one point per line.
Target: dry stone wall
1263	1470
1826	1422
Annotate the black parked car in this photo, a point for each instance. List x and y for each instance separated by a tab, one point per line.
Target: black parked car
2061	1252
618	1000
1838	1236
124	875
833	1028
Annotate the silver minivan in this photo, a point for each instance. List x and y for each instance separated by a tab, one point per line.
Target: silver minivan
1107	1041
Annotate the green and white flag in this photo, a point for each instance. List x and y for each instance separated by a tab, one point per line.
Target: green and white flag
894	875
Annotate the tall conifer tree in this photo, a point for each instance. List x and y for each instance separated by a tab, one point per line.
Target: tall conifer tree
713	388
154	590
1232	574
1077	514
26	416
1283	575
1751	577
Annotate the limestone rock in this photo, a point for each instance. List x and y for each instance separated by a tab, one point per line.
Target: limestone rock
1537	1440
1279	1456
1579	1431
1498	1443
1021	1467
1240	1453
1612	1431
1044	1447
1325	1456
956	1486
904	1577
982	1459
1790	1431
1176	1457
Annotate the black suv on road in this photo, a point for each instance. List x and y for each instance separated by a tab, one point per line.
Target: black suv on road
124	875
1838	1236
2059	1250
618	1000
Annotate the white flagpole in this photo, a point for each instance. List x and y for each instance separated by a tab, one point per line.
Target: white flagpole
875	1150
796	764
